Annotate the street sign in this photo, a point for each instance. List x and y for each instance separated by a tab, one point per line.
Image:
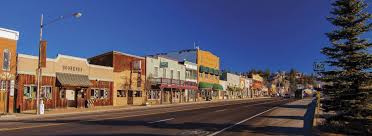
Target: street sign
318	67
163	64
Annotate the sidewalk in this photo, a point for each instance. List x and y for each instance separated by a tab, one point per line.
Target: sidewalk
295	118
98	109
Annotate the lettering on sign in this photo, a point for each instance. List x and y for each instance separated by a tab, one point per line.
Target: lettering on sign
72	68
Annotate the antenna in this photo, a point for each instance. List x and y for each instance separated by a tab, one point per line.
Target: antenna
196	46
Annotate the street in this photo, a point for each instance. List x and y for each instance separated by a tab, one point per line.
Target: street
218	118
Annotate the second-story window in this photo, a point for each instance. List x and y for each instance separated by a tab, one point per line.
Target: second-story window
164	73
156	71
6	60
178	75
171	74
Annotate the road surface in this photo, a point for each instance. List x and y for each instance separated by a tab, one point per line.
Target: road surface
218	118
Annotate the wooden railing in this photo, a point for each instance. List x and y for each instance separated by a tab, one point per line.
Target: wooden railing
172	81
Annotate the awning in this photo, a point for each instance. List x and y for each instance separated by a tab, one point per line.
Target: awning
217	87
203	85
75	80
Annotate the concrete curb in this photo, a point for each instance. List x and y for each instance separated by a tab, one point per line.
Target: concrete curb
14	117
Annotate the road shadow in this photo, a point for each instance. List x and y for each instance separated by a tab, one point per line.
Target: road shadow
121	134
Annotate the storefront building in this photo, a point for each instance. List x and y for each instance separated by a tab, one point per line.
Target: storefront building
191	75
208	70
223	92
67	82
129	76
166	80
257	85
8	47
234	90
248	87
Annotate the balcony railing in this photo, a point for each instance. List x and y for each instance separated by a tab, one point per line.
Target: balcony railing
172	82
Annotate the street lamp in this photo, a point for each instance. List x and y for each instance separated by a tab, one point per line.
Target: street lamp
39	69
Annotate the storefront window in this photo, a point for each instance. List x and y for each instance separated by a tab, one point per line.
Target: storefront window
121	93
62	93
46	92
153	94
92	94
3	85
29	91
99	93
138	94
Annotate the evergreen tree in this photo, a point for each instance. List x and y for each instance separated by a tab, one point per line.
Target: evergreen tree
349	61
292	80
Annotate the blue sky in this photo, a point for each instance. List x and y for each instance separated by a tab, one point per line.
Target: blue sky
245	34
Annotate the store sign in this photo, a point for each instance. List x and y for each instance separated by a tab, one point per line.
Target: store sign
72	68
257	77
11	93
163	64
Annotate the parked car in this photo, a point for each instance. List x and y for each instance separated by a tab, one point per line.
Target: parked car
287	96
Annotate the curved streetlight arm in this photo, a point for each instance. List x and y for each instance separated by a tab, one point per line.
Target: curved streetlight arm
76	15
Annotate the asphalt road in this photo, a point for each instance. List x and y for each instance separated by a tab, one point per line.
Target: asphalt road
218	118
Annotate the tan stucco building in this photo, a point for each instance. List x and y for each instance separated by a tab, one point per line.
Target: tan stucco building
129	76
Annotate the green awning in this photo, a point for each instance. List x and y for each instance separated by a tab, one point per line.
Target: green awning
203	69
205	85
207	69
216	72
217	87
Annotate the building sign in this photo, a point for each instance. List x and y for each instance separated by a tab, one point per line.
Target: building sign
72	68
163	64
43	45
11	93
257	77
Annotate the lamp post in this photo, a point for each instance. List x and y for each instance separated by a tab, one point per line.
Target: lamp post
39	69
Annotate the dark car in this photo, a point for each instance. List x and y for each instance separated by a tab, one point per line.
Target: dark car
287	96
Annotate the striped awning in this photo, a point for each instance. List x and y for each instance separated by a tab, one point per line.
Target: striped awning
75	80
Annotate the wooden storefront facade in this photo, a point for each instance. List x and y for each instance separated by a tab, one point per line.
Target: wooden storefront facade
67	82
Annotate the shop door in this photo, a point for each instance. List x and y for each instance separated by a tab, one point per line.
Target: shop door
71	98
130	97
2	102
81	98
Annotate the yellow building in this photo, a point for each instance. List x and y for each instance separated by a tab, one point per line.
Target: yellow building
208	74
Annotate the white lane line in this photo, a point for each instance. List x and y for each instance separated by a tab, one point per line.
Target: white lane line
220	110
240	122
163	120
262	103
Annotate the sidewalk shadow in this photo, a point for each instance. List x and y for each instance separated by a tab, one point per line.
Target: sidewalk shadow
285	117
294	106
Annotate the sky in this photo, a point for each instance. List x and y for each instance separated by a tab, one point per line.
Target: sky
245	34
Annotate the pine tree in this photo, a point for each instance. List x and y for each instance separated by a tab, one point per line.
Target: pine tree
349	61
292	80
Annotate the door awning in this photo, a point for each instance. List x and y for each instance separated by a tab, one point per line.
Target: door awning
74	80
